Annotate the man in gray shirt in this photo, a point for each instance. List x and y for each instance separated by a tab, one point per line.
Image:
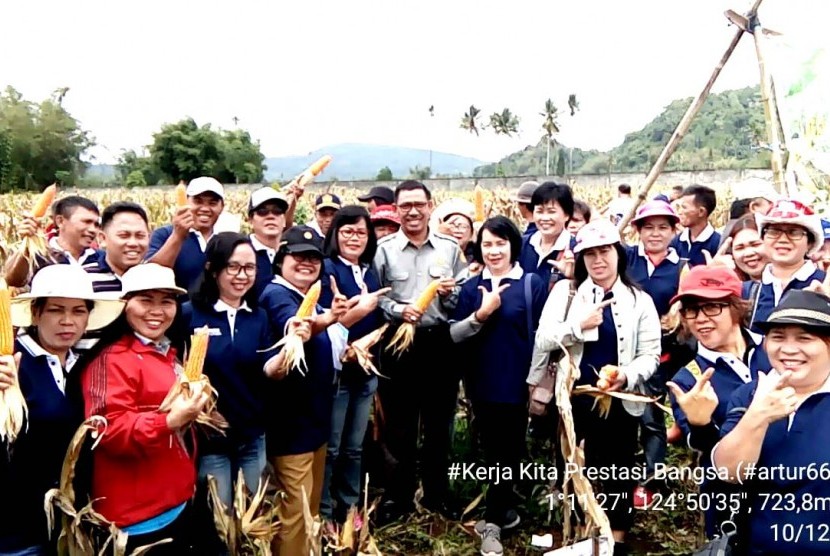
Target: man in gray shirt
423	381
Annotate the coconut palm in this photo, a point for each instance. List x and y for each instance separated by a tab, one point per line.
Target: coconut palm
504	123
551	126
470	120
573	104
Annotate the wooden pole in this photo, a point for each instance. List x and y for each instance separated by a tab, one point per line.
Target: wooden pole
685	123
776	142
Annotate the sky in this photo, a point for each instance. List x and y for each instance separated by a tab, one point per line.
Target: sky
301	75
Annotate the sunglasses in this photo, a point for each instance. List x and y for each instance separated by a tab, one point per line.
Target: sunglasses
265	211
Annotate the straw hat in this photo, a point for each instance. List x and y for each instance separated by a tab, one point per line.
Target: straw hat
71	282
149	276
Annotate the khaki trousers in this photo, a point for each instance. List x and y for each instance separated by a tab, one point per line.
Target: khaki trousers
291	474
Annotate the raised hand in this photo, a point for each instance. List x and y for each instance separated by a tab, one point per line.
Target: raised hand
700	402
490	301
565	265
183	221
366	302
27	227
340	304
594	317
774	398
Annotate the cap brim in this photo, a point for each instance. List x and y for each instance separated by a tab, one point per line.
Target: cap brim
104	312
703	293
822	327
327	205
276	200
303	248
197	192
365	198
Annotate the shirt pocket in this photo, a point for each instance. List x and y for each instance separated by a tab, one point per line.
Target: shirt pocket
396	275
439	271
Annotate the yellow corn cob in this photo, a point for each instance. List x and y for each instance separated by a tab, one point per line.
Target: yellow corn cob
196	356
13	409
478	193
425	299
181	195
44	201
309	302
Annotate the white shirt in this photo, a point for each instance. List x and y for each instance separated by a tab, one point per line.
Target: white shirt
259	246
36	350
620	206
515	273
55	246
735	363
201	239
315	226
358	271
562	243
778	285
672	257
222	307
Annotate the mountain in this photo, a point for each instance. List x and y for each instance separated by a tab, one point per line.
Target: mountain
359	161
727	133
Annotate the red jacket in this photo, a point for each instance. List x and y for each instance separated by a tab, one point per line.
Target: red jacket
140	468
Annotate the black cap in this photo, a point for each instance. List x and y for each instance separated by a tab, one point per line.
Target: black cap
800	308
301	239
384	194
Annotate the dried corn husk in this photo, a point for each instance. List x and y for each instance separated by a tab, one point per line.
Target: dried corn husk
360	350
405	334
248	528
354	536
209	416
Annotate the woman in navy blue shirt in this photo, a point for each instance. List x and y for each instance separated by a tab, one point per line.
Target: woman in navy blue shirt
728	356
350	247
775	440
299	404
53	317
496	319
224	300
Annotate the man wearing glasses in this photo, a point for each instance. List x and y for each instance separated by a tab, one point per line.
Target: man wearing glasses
423	385
266	214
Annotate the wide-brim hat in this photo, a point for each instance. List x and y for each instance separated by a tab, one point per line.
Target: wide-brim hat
69	282
803	308
795	213
655	208
149	277
597	233
525	192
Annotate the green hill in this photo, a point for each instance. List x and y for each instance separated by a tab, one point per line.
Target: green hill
725	134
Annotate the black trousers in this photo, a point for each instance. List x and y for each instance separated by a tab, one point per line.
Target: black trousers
609	441
420	396
502	429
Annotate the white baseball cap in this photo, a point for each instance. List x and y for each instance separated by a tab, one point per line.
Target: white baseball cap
205	184
149	276
264	195
756	188
597	233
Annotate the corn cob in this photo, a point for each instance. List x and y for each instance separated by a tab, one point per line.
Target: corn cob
405	334
309	301
44	201
13	410
320	165
292	345
196	357
181	195
478	194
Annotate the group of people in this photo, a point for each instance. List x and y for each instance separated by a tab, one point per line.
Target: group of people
734	326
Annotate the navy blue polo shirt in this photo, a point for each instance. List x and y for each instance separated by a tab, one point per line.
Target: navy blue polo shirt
766	301
235	366
529	258
797	444
298	407
32	466
191	260
499	354
663	280
264	265
708	240
103	278
530	230
596	355
347	284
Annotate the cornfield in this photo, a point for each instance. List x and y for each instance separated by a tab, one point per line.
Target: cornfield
161	203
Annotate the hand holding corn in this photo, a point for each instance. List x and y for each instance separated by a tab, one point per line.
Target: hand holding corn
8	370
185	409
183	221
446	286
611	379
28	227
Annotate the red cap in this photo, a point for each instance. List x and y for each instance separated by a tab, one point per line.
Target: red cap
709	282
386	212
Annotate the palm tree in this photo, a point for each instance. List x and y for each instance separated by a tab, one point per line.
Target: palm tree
573	104
504	123
551	126
470	120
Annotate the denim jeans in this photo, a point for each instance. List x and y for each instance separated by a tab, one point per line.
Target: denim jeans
247	456
349	420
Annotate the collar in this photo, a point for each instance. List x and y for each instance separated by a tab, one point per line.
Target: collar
707	233
672	257
54	245
562	242
515	273
222	307
802	274
36	350
162	346
593	293
406	242
259	246
286	284
350	264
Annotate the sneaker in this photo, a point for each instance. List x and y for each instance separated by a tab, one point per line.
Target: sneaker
511	520
643	498
491	541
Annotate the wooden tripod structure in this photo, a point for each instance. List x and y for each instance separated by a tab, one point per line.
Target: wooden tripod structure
747	23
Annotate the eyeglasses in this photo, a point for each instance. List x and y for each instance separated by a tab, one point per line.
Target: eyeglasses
265	211
708	309
235	269
348	233
459	225
419	206
792	233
